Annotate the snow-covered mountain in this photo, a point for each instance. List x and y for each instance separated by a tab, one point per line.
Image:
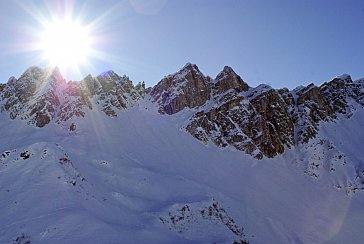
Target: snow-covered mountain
193	159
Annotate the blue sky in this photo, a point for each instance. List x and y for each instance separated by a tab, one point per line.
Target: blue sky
284	43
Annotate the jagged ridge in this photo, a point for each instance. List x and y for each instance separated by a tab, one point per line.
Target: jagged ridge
260	121
41	96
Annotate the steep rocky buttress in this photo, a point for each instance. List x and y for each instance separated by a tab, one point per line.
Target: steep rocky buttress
186	88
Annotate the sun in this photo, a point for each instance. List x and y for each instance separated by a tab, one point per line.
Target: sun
65	44
67	36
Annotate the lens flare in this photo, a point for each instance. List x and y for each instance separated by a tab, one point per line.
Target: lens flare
65	44
69	35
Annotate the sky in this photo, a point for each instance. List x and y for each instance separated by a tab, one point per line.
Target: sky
283	43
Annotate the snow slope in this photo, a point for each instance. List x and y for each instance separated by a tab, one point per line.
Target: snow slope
139	178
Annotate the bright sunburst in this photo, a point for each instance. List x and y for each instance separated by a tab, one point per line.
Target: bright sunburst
73	42
65	44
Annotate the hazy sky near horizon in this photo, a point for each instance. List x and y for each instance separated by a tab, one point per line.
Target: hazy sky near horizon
284	43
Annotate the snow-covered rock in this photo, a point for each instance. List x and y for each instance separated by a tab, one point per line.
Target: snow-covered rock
42	96
264	121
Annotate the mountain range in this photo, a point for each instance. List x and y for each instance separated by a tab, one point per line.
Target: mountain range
193	159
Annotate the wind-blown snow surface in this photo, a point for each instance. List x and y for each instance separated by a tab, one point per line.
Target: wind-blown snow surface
138	178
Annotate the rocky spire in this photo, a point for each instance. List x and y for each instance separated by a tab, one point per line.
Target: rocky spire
186	88
228	79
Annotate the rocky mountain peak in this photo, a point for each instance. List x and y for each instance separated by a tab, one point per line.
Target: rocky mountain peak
33	95
228	79
32	72
190	88
109	76
55	73
345	77
38	78
52	79
186	74
226	71
190	66
186	88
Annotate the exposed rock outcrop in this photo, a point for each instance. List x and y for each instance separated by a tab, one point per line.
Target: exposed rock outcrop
41	96
261	121
257	122
35	96
188	88
227	79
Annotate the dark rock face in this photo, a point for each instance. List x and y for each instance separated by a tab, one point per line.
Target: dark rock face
324	103
261	121
271	118
264	121
114	91
33	96
189	88
41	96
257	123
227	79
186	88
